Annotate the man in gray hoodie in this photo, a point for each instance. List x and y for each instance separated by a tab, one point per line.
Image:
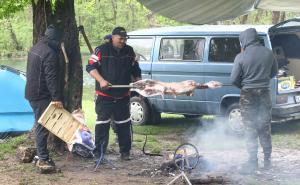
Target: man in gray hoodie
253	69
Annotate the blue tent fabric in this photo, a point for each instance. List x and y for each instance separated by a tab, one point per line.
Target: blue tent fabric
16	115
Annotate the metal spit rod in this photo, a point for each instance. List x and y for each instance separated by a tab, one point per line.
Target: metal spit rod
133	86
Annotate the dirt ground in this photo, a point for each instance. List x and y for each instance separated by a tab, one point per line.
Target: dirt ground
76	170
142	170
222	161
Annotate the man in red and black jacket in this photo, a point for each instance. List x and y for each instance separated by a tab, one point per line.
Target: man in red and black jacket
113	63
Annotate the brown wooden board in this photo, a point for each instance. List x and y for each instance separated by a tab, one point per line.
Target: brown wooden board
60	122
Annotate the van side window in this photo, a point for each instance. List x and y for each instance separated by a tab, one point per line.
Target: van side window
224	49
182	49
142	47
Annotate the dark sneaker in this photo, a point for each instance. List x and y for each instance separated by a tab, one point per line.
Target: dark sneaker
46	166
249	167
125	156
267	164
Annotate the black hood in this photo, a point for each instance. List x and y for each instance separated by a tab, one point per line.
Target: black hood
54	33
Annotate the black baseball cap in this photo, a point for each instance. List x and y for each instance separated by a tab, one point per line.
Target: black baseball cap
120	31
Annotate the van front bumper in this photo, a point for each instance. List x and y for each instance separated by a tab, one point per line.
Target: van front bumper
286	112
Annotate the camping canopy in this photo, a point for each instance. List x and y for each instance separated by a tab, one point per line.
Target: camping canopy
207	11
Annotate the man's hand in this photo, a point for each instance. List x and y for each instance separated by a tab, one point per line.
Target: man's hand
58	104
104	84
137	79
213	84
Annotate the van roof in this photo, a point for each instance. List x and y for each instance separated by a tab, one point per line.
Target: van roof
203	29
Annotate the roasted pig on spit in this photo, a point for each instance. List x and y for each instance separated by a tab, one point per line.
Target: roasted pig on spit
148	88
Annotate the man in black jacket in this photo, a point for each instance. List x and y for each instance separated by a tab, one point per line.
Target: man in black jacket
113	63
42	88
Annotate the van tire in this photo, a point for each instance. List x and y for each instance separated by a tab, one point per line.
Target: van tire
139	111
234	119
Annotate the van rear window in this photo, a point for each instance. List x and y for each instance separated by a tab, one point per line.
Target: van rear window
224	49
182	49
142	47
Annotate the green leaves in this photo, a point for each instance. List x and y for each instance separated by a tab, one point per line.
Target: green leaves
8	7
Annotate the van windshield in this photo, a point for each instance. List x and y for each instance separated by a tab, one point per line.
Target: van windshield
142	47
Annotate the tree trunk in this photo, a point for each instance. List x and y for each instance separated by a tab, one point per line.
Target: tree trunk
42	17
13	36
151	19
114	9
132	10
258	15
282	17
275	17
244	19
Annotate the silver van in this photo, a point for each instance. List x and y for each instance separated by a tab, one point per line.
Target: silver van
205	53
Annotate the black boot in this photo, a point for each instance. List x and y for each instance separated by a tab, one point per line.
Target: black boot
267	163
250	166
267	160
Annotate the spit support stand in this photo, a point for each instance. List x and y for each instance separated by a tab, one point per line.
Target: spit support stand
186	158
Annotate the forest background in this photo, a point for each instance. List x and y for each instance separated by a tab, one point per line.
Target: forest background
99	17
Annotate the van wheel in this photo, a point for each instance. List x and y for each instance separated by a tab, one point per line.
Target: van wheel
139	111
234	118
190	116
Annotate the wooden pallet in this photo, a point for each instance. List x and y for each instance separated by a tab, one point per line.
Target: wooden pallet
60	122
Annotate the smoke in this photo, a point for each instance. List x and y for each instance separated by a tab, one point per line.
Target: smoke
222	150
223	153
215	135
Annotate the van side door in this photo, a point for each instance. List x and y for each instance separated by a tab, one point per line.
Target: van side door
178	58
222	51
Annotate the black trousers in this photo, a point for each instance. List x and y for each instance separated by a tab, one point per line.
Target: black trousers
118	108
41	133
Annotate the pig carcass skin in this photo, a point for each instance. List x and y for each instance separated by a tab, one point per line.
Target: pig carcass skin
148	88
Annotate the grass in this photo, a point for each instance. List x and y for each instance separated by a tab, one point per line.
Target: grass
9	146
286	135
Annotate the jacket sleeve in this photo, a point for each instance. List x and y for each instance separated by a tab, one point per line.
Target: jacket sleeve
236	73
94	60
51	75
136	70
274	69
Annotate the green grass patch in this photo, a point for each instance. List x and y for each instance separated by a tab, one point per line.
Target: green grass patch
170	124
88	106
286	135
290	141
10	145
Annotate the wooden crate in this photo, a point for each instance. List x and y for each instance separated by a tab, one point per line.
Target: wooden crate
60	122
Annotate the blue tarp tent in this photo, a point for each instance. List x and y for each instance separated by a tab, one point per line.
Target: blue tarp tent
16	115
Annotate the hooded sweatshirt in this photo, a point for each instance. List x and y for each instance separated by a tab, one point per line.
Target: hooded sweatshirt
255	66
